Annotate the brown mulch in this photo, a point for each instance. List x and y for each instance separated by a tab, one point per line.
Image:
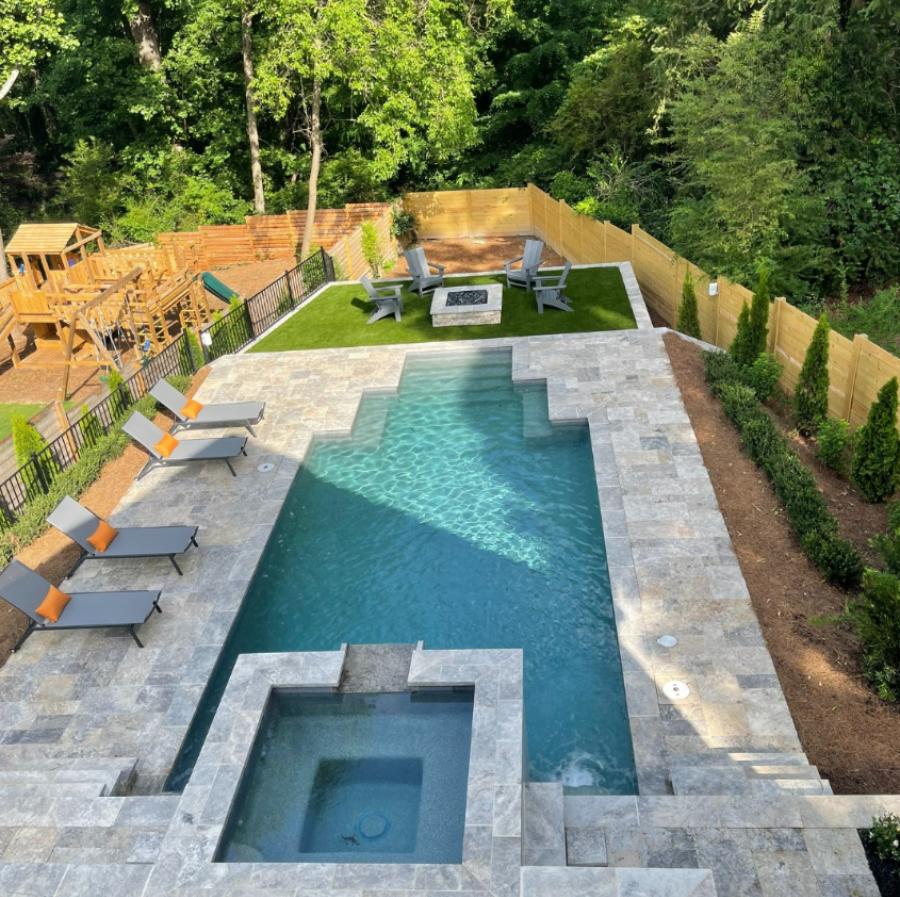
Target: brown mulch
462	255
846	731
53	555
250	277
38	378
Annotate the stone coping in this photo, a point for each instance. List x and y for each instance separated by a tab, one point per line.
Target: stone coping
492	841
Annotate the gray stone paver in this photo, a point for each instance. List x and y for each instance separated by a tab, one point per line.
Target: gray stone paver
95	699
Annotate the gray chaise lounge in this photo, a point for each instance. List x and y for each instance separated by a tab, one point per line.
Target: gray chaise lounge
523	275
220	414
25	590
549	291
78	523
146	434
387	300
423	281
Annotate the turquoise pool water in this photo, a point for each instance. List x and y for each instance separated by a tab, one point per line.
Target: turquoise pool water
366	778
458	515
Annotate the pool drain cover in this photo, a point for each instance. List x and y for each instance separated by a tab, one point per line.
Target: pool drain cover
372	826
667	641
265	467
676	691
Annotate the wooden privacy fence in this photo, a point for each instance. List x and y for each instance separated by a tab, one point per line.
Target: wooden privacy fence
858	368
267	236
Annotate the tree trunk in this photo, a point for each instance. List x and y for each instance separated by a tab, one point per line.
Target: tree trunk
143	30
7	85
315	143
4	271
259	198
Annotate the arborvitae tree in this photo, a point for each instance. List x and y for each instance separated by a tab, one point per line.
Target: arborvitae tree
741	349
688	313
27	443
759	316
121	398
811	397
875	461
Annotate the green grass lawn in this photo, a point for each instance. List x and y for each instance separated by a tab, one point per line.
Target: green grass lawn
337	317
8	412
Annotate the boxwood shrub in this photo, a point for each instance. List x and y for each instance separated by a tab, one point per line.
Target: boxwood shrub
793	482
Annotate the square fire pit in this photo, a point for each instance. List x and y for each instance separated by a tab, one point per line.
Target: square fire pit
477	304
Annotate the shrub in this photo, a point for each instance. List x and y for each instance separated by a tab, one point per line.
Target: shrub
835	557
89	426
688	313
720	367
763	375
196	359
120	394
759	314
835	443
884	836
403	224
371	247
876	618
888	545
28	444
811	397
741	347
875	459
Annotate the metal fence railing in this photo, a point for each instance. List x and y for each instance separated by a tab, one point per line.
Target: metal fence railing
246	321
36	475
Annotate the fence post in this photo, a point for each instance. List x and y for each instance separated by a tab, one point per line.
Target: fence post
855	352
287	277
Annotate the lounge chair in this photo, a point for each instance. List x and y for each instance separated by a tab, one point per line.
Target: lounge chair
523	275
25	590
548	291
423	281
78	523
387	300
190	415
148	436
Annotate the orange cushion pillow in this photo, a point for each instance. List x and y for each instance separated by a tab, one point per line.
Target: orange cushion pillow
166	445
192	409
101	538
53	604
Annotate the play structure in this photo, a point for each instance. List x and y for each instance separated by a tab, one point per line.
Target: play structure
86	304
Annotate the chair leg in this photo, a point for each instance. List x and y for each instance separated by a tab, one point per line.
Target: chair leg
140	644
23	637
194	542
81	559
175	565
230	467
250	430
244	450
146	468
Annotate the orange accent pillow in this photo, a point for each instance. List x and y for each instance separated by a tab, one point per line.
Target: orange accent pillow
102	537
166	445
192	409
53	604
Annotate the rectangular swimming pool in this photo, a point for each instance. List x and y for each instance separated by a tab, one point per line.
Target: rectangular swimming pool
458	515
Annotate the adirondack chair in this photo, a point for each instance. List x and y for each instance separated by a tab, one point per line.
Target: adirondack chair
548	291
387	300
523	275
423	281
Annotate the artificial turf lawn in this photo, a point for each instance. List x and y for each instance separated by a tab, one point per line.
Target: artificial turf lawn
338	316
9	411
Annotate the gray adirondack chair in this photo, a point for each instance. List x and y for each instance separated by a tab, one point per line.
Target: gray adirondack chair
523	274
387	300
24	589
423	281
77	522
146	434
220	414
549	291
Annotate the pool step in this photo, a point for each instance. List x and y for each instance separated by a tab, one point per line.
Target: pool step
544	842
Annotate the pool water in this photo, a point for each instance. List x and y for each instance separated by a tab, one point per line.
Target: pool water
458	515
374	778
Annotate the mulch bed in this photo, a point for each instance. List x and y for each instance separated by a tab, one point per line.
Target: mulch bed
53	555
846	730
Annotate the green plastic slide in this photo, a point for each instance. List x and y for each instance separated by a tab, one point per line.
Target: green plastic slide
217	288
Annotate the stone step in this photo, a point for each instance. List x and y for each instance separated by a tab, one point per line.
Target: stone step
544	835
542	881
782	772
33	791
114	775
712	780
737	758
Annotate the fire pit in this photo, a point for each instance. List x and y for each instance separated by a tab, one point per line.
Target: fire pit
481	304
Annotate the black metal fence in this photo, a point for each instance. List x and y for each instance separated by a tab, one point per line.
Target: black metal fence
37	474
246	321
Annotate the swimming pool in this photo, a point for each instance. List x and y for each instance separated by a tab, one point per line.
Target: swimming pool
458	515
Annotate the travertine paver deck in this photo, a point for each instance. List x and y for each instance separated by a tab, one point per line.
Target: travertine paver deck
96	703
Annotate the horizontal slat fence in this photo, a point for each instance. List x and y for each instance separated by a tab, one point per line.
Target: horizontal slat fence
858	368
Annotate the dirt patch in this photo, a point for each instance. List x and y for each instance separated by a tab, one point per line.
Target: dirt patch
846	730
38	379
247	279
53	555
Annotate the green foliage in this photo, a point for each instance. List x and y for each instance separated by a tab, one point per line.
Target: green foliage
877	317
884	836
762	376
403	223
119	393
877	455
197	361
888	544
89	426
688	313
371	247
876	618
792	481
741	348
759	315
37	469
835	441
811	395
